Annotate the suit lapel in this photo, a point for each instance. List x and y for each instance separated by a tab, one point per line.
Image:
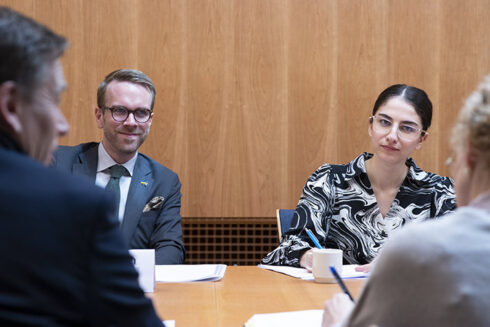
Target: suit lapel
87	164
138	195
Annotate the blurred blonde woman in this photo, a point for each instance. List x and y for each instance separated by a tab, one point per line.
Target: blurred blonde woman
437	273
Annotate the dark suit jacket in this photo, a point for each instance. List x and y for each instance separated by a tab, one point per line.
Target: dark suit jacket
158	229
63	259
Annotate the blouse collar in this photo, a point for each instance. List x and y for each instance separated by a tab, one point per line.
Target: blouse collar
358	167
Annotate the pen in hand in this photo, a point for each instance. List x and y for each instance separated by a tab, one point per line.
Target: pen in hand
341	283
313	238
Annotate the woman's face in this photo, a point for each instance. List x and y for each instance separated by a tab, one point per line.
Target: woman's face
390	143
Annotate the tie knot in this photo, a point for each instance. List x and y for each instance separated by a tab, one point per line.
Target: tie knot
117	171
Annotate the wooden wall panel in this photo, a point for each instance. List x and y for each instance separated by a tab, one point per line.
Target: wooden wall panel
252	178
362	53
313	122
253	96
209	42
162	42
464	60
413	58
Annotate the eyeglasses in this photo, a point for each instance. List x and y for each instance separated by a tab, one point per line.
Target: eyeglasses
404	131
120	113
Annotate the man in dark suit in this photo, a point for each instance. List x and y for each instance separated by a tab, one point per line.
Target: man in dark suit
147	193
63	259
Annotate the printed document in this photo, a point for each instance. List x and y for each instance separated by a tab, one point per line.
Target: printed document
311	318
348	271
189	273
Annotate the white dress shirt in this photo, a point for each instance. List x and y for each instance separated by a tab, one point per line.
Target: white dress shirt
103	175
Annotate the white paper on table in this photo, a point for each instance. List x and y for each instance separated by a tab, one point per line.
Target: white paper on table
287	319
290	271
348	272
189	273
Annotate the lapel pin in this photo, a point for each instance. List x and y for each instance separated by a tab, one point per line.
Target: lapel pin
144	183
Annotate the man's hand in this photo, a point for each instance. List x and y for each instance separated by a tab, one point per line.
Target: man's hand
336	310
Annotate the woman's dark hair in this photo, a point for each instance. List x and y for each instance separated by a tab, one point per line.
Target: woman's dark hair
414	96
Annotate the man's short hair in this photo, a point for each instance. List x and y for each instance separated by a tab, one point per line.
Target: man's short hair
125	75
26	50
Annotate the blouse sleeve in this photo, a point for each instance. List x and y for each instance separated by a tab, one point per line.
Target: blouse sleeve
314	211
444	198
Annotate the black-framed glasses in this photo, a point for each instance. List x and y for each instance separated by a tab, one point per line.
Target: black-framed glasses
407	132
120	113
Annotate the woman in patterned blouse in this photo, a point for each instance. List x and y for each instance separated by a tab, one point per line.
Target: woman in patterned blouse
356	206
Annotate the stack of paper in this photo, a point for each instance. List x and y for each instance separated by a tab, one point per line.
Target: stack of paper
348	271
311	318
189	273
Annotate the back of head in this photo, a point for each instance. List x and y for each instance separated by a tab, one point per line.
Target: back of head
414	96
125	75
473	124
26	47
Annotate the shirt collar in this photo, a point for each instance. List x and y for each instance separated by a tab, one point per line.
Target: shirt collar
358	167
105	161
7	142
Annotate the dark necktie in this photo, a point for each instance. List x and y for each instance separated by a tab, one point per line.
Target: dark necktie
116	172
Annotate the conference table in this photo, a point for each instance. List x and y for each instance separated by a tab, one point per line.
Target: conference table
243	292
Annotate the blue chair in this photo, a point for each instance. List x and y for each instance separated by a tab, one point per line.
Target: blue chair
284	219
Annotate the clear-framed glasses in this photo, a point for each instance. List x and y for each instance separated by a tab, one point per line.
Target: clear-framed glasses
406	131
120	113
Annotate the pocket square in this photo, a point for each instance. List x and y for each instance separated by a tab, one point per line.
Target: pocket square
154	204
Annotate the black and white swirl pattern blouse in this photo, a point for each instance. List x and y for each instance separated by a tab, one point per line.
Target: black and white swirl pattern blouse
339	206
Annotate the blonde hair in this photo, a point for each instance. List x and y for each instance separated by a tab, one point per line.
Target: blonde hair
473	124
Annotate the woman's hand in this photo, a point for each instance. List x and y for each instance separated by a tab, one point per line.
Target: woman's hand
336	310
366	268
306	260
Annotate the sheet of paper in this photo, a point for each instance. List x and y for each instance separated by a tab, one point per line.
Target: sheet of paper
311	318
348	272
169	323
290	271
189	273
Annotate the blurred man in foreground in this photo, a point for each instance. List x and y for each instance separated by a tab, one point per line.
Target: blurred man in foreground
64	262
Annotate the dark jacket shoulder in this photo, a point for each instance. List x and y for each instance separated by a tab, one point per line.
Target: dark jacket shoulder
52	187
157	168
66	155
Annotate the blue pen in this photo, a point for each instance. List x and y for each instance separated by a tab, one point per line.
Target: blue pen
313	238
340	282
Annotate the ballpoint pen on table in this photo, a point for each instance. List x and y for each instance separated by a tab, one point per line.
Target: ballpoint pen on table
313	238
340	282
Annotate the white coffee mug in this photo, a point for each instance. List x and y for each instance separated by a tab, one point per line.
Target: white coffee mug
322	260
